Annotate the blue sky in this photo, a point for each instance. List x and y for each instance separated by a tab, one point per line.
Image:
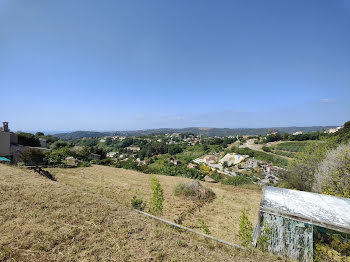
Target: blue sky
118	65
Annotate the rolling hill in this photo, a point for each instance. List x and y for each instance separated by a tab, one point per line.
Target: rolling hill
194	130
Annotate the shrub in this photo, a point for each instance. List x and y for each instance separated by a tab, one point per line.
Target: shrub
245	229
204	227
59	155
27	139
205	168
107	162
174	149
156	204
302	168
237	180
33	157
333	174
59	144
266	149
264	238
292	146
194	190
137	203
83	164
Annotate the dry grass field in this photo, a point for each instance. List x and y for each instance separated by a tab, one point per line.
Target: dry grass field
86	216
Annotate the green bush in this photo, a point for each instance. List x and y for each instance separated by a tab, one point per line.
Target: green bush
284	153
59	155
245	229
266	149
27	139
156	203
264	238
292	146
137	203
33	157
237	180
107	162
83	164
204	227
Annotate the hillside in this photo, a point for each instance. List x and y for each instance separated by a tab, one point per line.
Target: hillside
84	216
194	130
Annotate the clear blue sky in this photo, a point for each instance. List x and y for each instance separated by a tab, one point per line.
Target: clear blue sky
117	65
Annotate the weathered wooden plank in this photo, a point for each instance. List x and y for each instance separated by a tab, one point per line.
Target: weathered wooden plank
301	218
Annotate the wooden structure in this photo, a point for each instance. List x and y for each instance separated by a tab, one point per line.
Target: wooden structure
289	218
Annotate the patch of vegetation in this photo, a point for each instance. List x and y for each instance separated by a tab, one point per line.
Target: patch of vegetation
107	162
292	146
266	149
194	191
156	203
331	245
342	135
83	164
181	171
28	139
284	153
332	176
240	179
245	229
33	157
137	203
204	227
264	238
301	170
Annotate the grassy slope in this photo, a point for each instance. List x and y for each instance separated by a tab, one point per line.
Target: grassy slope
121	185
82	217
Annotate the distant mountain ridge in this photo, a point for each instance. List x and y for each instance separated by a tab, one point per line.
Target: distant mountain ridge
195	130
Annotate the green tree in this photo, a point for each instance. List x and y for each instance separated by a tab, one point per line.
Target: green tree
27	139
156	204
59	144
174	149
59	155
32	157
245	229
301	170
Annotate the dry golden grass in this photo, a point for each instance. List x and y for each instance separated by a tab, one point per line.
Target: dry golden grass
221	215
84	216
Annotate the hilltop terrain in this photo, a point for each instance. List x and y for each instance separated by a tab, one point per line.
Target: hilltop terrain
85	216
194	130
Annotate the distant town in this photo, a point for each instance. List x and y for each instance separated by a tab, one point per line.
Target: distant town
257	159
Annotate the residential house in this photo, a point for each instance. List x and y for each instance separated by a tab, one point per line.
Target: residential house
95	157
332	130
111	154
190	165
175	162
9	146
133	148
252	163
210	159
43	142
297	133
